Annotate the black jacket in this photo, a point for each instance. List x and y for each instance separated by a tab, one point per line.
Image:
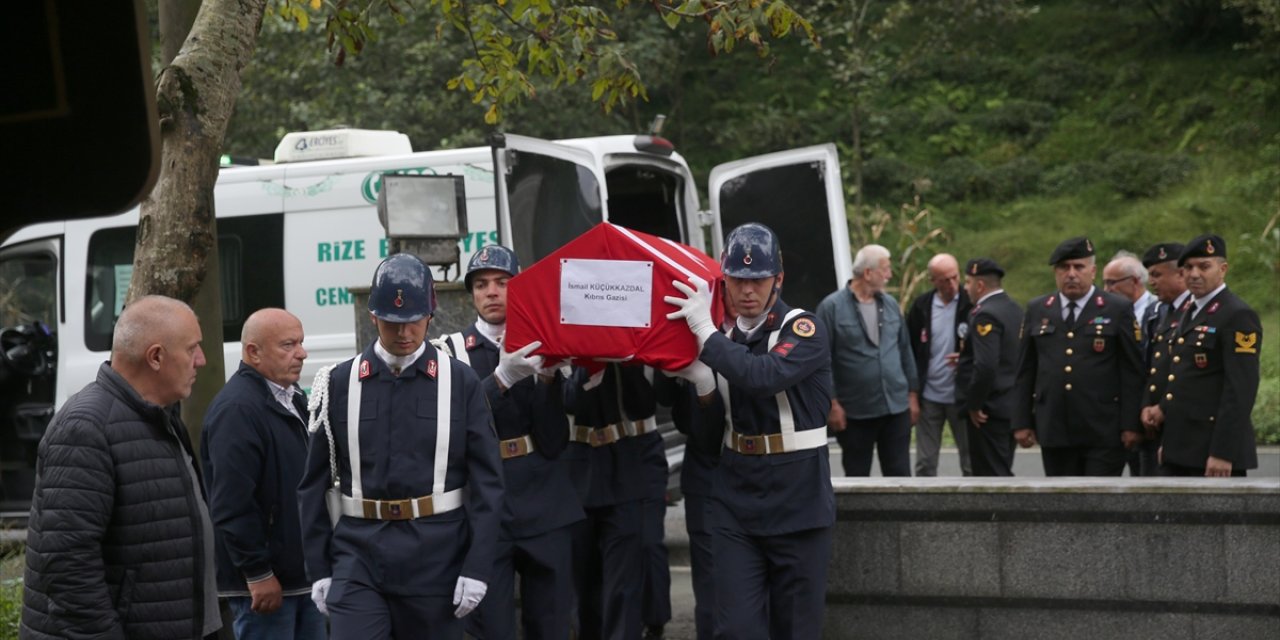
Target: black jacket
919	323
988	369
115	543
253	451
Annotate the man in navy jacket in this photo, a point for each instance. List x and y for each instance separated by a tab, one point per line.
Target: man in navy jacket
253	449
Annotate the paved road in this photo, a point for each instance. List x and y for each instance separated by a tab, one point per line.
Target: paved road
1025	463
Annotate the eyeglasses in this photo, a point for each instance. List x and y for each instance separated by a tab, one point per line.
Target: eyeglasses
1112	283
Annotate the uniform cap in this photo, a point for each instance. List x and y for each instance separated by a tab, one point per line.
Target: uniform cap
1205	246
1163	252
402	289
494	256
1073	249
983	267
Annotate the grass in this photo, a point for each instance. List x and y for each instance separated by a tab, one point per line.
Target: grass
11	566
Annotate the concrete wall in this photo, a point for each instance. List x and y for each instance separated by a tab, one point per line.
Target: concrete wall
942	558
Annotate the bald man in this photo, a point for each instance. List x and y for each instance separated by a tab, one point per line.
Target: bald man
933	323
254	447
119	542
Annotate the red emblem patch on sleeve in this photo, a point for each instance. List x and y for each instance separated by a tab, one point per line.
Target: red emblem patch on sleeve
784	348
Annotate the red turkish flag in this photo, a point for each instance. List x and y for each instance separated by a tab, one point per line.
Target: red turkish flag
600	297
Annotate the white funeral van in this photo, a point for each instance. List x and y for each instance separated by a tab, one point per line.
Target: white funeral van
297	233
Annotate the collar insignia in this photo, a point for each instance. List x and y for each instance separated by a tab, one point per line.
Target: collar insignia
433	368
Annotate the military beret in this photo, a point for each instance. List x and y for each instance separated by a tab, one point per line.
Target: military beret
983	267
1072	249
1205	246
1163	252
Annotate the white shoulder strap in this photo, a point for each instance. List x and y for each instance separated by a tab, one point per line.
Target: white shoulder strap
456	346
786	421
444	420
353	426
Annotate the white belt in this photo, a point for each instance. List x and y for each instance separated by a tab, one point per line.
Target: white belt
407	509
516	447
775	442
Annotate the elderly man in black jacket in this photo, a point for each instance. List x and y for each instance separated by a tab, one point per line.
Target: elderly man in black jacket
254	447
934	323
119	542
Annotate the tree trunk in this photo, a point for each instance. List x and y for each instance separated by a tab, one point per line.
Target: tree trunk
176	244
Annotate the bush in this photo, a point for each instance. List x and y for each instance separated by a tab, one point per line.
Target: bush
1124	114
1069	178
1026	120
1057	79
961	179
10	607
888	180
1016	178
1195	109
1136	174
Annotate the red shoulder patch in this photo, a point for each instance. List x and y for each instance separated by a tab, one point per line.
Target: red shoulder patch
432	368
471	342
1048	302
784	348
365	371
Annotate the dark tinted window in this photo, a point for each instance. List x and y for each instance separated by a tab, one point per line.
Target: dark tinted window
646	199
552	201
251	266
28	288
792	201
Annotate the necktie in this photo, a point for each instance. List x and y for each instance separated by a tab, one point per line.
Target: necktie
1071	314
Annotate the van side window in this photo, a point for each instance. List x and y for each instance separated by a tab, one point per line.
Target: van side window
552	201
647	200
28	289
257	238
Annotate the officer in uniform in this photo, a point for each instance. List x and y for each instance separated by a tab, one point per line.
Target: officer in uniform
1079	384
773	506
401	498
988	368
1165	278
1210	365
539	504
612	445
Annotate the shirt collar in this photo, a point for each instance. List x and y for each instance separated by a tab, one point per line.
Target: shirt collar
939	304
1080	304
1201	302
491	332
398	363
988	295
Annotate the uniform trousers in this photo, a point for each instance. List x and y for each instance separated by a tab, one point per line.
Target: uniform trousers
929	436
1083	461
1142	460
608	571
358	610
697	522
656	592
544	562
888	436
991	447
769	587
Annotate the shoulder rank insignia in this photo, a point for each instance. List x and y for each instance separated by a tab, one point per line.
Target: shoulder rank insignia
784	348
984	329
1246	342
803	327
433	368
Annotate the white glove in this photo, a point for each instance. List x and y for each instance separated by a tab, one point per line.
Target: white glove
695	308
699	375
594	381
320	591
516	366
467	595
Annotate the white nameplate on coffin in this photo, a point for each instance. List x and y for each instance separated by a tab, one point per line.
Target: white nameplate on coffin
606	293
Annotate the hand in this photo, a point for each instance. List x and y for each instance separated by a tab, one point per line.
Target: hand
699	375
978	417
319	592
1217	468
913	402
952	359
836	418
467	595
1152	419
593	381
1130	439
695	308
518	365
267	595
1026	438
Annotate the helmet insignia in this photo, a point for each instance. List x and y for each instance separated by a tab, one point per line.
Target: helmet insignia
399	301
484	254
746	259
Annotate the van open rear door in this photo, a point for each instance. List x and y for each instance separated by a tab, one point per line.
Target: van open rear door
797	193
547	193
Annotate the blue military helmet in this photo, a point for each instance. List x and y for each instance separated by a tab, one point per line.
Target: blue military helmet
402	290
494	256
751	251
